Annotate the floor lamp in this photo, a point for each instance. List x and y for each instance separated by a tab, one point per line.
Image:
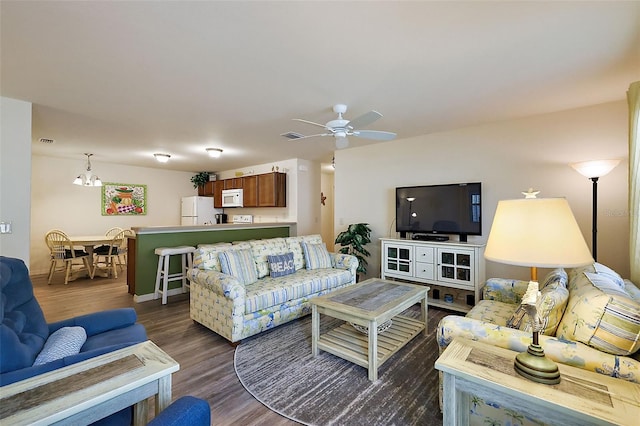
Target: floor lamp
536	232
594	170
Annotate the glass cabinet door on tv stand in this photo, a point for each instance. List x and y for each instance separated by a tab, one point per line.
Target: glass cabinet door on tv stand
455	271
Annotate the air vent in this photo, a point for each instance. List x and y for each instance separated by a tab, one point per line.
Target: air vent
292	135
45	140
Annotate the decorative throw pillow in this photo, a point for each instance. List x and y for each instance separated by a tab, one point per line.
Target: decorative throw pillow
239	264
281	265
61	343
316	256
551	305
602	316
206	256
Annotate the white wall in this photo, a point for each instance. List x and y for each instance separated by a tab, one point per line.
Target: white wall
303	194
57	203
507	157
327	210
15	182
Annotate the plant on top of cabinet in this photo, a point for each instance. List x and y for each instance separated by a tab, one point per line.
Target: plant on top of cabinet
353	241
200	179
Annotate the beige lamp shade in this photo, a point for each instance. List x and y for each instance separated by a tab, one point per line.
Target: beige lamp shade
540	232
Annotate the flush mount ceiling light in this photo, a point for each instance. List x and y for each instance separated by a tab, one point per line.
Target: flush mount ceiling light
163	158
87	178
214	152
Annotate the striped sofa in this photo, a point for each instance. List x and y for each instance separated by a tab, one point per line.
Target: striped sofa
236	290
591	321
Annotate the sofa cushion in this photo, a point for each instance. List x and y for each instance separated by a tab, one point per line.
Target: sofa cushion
61	343
551	305
281	265
598	268
268	292
206	256
294	246
492	311
316	256
240	264
261	249
601	315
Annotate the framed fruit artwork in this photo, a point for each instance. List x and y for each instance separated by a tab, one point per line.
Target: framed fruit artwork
124	199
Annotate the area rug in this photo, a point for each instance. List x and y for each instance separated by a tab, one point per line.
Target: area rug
278	369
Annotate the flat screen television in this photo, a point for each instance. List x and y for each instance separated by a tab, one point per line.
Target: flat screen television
440	209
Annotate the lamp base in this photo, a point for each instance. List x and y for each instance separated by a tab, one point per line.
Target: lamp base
536	367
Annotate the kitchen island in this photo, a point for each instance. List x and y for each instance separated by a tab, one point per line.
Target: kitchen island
142	262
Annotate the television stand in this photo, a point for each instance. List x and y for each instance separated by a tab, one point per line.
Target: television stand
426	237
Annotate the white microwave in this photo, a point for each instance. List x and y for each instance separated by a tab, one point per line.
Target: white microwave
232	198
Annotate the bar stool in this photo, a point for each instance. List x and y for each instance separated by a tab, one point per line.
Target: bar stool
163	277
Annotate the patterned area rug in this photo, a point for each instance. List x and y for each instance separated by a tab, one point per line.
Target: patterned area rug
277	368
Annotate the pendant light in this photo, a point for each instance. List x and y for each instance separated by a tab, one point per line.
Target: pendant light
87	178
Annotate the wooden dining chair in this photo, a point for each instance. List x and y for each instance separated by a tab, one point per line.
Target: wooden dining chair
63	253
124	250
108	256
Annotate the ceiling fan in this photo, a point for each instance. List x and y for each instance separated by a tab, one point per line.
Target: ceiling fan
340	128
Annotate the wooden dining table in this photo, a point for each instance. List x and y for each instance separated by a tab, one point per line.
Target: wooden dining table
89	242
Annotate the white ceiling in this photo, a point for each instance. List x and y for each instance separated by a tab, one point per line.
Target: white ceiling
124	80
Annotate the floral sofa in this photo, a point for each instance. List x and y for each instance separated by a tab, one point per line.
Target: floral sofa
591	320
244	288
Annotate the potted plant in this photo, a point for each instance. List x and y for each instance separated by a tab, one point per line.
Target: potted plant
353	241
200	179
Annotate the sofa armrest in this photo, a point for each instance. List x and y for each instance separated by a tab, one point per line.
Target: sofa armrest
566	352
218	282
345	261
504	290
99	322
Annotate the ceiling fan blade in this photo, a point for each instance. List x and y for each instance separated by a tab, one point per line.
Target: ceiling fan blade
374	134
313	136
309	122
364	120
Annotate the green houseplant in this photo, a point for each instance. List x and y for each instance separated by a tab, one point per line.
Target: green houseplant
200	179
353	241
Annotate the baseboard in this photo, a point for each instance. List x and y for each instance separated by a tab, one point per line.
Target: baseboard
139	298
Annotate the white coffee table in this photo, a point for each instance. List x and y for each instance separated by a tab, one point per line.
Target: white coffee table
369	304
85	392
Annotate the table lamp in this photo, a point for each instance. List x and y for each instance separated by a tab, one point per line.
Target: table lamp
536	232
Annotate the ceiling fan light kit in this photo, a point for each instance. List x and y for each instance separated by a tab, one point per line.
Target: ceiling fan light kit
340	128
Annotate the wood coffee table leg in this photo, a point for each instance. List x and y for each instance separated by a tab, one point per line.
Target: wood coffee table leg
372	353
315	330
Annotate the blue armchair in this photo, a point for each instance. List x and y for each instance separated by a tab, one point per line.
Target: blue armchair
188	411
24	331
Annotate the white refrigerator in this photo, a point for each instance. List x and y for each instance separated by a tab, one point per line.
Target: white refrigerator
198	211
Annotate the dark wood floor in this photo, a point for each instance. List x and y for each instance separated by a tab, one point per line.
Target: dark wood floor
206	360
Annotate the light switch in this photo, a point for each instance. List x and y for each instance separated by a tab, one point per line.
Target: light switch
5	228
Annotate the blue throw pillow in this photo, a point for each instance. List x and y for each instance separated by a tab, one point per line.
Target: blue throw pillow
63	342
281	265
240	264
316	256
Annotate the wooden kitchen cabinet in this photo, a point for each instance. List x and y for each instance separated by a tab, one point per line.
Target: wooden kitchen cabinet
207	190
233	183
272	189
250	191
218	186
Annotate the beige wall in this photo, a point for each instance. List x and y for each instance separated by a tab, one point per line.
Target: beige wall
15	182
507	157
56	203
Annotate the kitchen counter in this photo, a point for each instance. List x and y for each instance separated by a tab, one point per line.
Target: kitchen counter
142	261
214	227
